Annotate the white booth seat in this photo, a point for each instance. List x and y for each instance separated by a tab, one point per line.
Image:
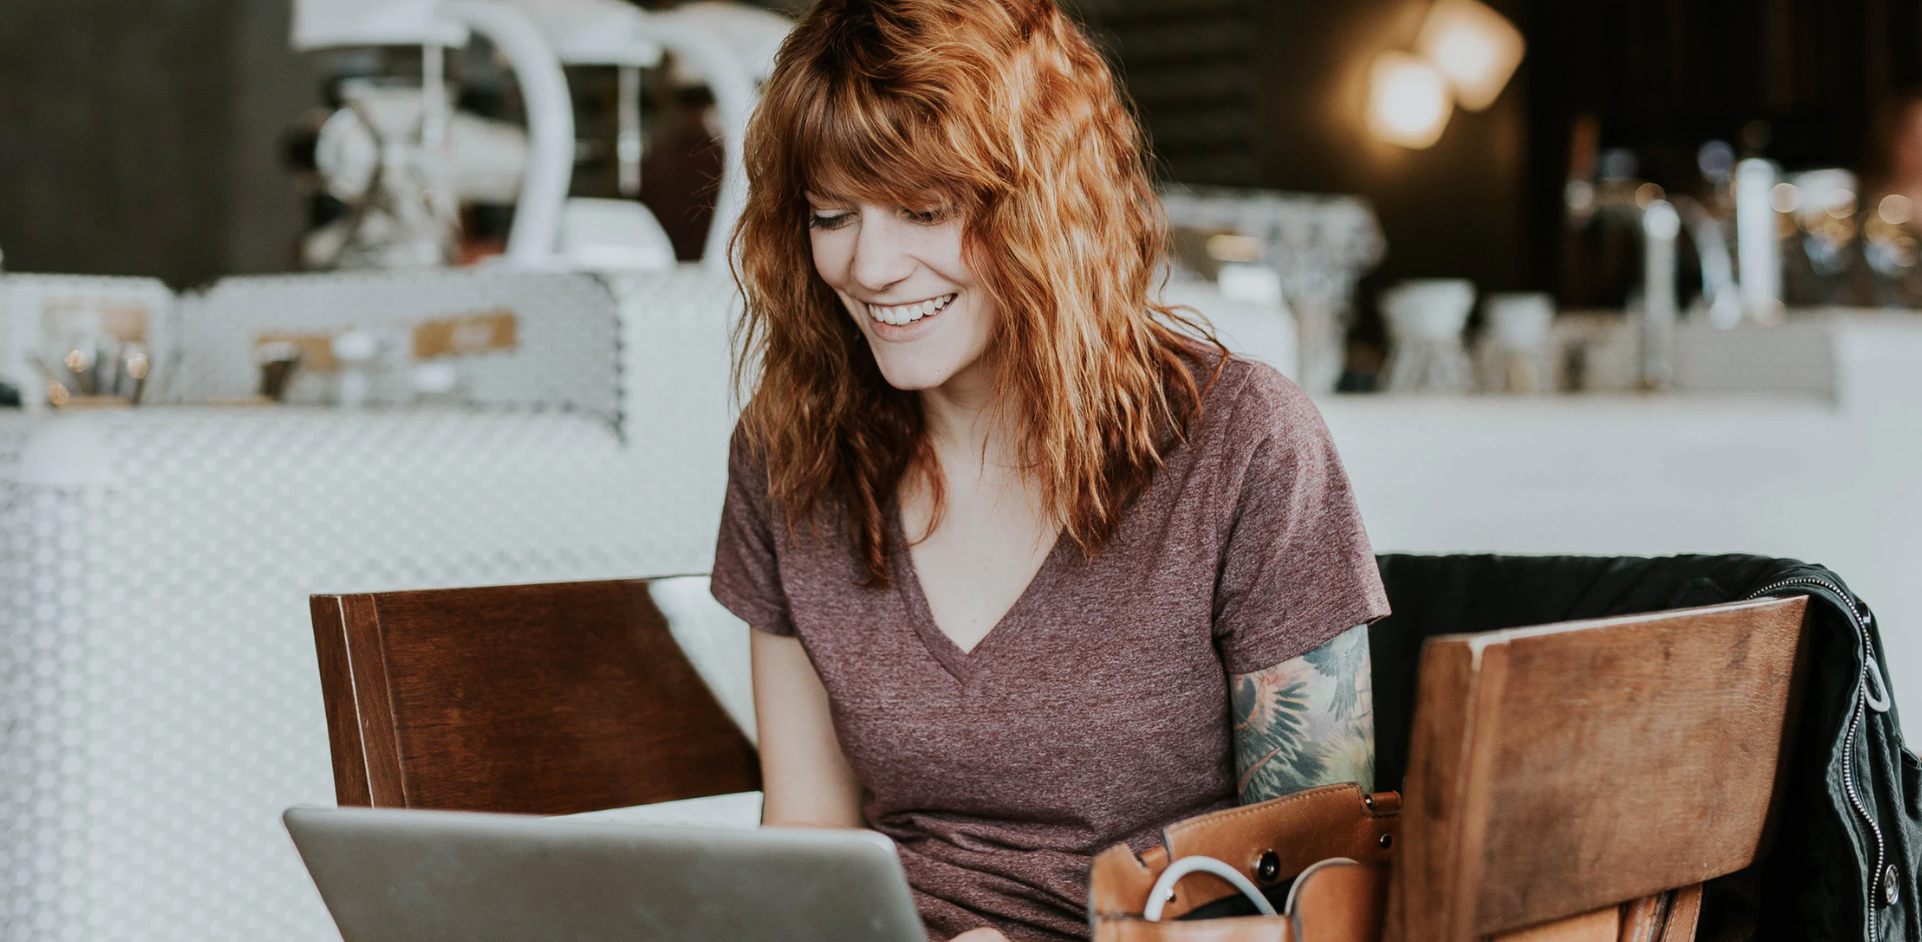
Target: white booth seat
159	698
158	684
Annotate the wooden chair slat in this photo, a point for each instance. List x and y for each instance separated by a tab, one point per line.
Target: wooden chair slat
535	699
1559	770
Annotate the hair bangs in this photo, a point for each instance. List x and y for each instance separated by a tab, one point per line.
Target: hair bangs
857	140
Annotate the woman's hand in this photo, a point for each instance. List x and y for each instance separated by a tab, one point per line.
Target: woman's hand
983	934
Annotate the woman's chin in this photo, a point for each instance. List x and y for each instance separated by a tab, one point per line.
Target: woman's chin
913	374
922	370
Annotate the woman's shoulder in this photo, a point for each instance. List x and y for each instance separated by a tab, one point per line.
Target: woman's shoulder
748	476
1251	401
746	460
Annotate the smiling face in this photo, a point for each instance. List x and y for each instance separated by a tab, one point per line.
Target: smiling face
901	274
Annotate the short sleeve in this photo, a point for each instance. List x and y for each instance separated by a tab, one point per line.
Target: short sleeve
1296	567
747	574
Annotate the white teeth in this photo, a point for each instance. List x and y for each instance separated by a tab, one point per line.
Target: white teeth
900	314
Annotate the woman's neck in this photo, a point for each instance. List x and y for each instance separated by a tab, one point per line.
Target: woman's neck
962	420
993	507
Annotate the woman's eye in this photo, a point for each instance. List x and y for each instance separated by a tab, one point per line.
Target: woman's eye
925	217
828	220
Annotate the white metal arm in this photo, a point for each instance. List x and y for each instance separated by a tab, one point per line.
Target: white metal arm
550	122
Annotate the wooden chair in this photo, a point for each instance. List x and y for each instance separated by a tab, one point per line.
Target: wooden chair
534	699
1583	779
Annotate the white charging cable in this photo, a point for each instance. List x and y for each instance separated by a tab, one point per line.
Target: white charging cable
1164	889
1295	888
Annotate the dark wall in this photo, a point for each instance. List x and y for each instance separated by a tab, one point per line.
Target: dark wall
1256	93
1272	94
1797	81
1264	94
266	212
139	137
142	136
1453	209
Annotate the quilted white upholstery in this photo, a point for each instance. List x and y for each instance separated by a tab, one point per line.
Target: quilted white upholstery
159	698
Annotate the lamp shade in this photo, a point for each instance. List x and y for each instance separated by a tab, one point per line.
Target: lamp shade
1474	46
1408	100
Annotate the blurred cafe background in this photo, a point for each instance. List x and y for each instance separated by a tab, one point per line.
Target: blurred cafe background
314	296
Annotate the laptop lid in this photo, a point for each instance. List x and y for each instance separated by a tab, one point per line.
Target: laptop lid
436	876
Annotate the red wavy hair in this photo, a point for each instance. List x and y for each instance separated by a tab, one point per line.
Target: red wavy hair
1002	111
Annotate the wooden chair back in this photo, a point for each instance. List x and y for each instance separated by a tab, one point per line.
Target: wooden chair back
1561	770
534	699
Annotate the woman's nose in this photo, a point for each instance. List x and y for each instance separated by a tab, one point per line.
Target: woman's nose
881	256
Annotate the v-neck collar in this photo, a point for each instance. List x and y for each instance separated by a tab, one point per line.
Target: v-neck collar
964	664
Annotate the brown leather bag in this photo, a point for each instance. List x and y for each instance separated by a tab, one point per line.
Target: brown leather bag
1335	840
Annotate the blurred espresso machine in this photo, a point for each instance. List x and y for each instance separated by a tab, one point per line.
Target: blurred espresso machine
404	159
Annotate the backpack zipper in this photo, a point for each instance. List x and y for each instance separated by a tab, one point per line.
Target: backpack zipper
1847	603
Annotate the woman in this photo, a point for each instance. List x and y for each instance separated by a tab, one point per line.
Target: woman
1013	539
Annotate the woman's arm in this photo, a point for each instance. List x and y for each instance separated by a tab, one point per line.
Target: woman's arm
805	779
1306	722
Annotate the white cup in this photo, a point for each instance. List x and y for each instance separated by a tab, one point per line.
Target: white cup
1519	321
1428	309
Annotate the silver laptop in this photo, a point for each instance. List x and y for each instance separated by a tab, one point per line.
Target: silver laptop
437	876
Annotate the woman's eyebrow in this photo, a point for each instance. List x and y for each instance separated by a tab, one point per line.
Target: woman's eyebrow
813	196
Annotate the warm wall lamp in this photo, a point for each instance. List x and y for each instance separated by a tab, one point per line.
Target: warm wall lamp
1464	54
1408	100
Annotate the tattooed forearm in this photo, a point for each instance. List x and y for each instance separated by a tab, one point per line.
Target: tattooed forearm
1306	722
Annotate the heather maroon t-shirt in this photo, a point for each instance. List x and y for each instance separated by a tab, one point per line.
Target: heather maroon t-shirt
1096	711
